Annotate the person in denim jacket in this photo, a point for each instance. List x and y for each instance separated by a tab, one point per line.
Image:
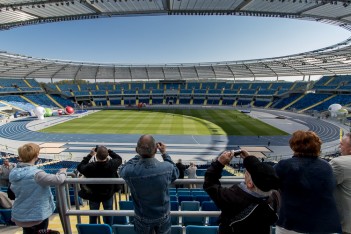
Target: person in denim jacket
149	180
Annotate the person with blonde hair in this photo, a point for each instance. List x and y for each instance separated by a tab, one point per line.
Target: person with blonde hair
191	172
306	185
34	203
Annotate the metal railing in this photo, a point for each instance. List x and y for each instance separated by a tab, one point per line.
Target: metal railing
65	211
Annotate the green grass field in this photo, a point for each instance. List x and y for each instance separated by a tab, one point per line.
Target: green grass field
167	122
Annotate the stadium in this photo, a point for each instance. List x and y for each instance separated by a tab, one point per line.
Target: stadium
197	109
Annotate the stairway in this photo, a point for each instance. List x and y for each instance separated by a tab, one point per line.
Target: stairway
54	101
293	102
316	104
268	105
330	80
25	81
28	100
8	104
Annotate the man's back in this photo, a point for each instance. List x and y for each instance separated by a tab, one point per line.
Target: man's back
342	172
149	180
100	169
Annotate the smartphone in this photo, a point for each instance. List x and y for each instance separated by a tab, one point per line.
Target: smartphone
96	148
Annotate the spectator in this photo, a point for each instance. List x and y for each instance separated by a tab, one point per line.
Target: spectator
5	170
342	173
181	168
307	185
34	203
101	168
249	207
5	202
148	180
191	172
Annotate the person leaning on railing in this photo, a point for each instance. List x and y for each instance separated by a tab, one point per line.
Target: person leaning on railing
149	180
307	186
34	203
103	167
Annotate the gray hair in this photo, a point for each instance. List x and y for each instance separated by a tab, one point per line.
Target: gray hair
146	146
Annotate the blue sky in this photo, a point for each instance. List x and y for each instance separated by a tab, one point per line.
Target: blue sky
170	39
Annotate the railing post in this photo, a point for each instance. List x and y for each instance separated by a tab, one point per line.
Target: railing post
66	224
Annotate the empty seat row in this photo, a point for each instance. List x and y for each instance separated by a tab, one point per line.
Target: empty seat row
122	229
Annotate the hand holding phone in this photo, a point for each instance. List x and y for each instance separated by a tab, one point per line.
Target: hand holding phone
161	147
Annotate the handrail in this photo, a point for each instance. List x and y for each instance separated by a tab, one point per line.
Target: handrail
65	211
121	181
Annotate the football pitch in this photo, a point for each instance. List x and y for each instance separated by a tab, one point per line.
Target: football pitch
167	122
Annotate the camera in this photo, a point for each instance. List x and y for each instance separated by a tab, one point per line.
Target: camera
236	152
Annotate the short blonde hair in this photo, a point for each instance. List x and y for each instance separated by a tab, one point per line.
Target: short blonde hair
28	151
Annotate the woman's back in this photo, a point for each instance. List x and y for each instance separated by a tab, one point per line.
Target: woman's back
307	205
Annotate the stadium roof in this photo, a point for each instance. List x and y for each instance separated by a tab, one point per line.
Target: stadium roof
332	60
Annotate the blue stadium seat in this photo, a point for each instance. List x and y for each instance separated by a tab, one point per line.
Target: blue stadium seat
176	229
191	229
202	198
173	193
183	198
184	193
6	217
94	228
174	207
210	206
127	205
123	229
173	198
198	193
191	206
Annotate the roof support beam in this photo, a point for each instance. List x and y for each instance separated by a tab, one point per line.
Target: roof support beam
247	67
96	73
35	70
242	5
214	73
287	65
230	69
310	8
197	73
55	73
78	70
266	66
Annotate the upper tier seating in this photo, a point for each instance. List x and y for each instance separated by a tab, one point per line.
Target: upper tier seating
308	100
285	101
340	99
41	100
18	102
62	101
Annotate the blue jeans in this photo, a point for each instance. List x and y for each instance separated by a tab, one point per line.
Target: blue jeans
158	226
107	206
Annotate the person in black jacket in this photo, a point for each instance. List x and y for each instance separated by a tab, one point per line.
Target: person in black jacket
249	207
181	168
103	167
